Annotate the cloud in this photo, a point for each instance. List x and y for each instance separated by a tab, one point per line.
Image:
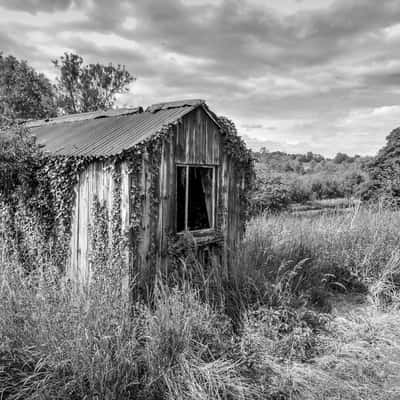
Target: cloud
289	73
34	6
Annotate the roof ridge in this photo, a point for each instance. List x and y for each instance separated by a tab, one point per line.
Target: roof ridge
174	104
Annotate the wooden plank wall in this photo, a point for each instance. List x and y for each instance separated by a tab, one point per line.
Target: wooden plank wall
96	181
197	139
231	179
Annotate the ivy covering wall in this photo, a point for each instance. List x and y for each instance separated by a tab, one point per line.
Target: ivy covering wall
35	221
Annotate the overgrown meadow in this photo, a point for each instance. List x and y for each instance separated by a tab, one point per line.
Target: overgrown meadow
308	310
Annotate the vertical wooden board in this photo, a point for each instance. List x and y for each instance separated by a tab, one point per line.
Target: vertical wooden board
91	178
110	198
172	189
205	141
234	206
189	150
85	255
193	139
168	187
180	142
202	133
125	206
166	209
226	195
144	231
218	146
186	134
73	261
196	136
105	184
79	244
210	143
207	157
224	206
197	151
83	225
124	197
160	223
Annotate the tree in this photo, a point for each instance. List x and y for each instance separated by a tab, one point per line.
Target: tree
83	88
341	158
24	93
20	157
384	171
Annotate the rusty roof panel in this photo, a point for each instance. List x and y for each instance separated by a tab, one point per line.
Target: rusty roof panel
104	137
83	116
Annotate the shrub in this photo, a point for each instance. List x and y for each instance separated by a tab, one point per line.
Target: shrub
20	158
269	195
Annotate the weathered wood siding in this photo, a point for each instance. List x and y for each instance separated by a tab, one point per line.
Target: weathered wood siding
232	224
96	181
198	139
194	140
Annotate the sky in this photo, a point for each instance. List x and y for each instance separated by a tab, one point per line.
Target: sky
294	75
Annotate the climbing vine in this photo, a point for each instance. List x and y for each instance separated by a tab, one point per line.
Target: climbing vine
99	238
242	158
56	197
37	212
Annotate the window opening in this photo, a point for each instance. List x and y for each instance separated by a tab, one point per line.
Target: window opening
195	198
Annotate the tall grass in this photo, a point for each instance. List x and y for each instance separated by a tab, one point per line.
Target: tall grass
253	331
357	245
60	343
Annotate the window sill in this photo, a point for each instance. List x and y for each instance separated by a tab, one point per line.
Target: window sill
203	237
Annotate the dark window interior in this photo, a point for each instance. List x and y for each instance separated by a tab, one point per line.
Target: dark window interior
194	203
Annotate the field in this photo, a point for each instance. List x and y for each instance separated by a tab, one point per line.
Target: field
309	310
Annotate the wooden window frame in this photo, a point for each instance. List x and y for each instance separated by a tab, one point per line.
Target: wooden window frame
213	167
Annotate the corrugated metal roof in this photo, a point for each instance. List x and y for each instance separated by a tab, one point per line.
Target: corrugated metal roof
111	135
83	116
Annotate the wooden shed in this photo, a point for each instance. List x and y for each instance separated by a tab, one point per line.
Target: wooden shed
155	176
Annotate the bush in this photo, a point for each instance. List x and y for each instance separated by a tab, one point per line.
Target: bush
269	195
20	157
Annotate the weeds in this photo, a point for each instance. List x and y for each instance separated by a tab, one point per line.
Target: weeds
260	330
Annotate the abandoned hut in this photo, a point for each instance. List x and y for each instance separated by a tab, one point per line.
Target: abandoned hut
144	178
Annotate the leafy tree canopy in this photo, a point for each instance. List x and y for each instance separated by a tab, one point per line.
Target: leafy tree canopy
20	157
84	88
24	93
384	170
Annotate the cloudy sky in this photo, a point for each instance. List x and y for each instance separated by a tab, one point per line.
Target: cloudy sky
295	75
